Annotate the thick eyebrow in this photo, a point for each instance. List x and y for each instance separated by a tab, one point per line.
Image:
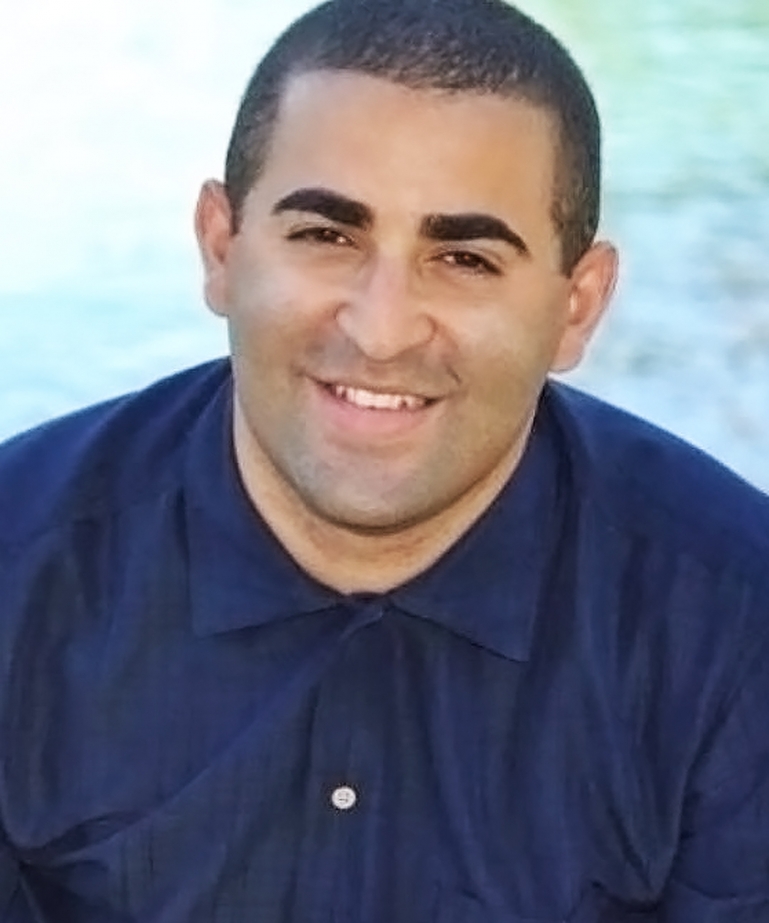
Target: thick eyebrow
330	205
472	226
338	208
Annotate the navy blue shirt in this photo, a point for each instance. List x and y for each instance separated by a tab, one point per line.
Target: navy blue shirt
565	719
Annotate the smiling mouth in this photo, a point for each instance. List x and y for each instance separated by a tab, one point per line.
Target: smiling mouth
378	400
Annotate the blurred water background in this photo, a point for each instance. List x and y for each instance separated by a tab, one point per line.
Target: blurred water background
112	113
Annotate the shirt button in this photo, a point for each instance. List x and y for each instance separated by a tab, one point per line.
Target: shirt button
344	798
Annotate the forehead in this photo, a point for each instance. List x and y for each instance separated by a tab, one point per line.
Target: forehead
419	151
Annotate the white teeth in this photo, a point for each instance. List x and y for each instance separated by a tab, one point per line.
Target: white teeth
374	400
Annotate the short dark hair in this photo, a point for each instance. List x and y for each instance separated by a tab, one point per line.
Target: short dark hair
454	45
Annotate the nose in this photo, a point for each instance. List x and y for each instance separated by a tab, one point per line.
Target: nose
385	316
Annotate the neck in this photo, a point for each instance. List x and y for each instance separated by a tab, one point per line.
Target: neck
352	560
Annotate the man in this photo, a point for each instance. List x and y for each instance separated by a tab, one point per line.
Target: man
375	623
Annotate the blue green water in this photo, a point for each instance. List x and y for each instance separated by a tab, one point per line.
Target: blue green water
110	125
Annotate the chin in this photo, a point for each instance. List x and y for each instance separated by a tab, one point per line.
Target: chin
370	521
370	516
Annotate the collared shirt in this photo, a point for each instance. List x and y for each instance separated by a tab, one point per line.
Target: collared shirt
565	719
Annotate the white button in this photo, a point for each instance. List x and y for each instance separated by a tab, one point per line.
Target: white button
344	798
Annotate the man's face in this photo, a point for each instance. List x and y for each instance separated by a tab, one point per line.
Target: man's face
394	297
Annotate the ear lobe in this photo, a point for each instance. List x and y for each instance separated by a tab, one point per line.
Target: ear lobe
591	284
213	229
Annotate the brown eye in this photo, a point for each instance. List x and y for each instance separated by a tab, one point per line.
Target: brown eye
320	235
471	262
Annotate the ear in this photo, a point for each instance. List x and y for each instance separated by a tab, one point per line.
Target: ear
213	229
591	286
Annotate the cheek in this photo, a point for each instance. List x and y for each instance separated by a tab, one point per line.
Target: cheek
265	304
512	345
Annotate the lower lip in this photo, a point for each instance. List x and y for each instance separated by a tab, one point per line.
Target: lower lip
368	422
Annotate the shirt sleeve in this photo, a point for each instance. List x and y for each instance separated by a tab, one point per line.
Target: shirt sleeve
721	873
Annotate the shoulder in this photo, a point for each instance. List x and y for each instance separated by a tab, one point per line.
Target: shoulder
671	551
102	457
647	482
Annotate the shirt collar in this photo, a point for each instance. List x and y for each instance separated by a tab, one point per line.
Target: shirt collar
486	587
239	574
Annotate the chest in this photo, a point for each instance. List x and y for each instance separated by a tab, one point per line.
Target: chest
369	767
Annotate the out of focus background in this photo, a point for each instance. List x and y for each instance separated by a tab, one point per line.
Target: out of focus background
112	113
